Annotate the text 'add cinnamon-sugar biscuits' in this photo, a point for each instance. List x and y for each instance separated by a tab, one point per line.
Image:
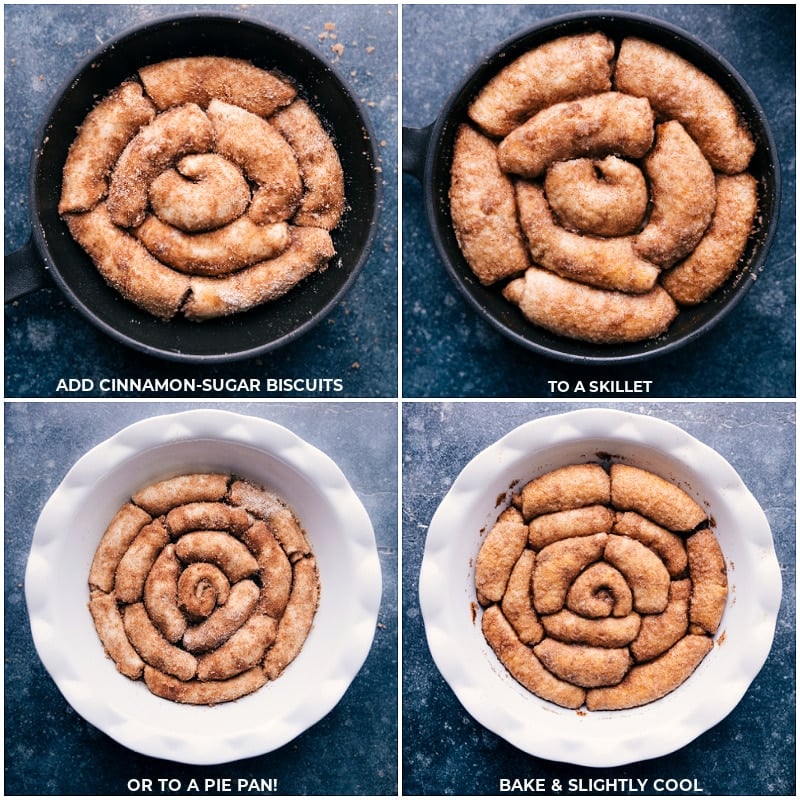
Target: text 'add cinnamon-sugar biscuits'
601	588
203	187
206	586
601	185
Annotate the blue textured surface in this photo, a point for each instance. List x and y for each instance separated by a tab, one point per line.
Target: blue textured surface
50	750
47	339
445	751
450	351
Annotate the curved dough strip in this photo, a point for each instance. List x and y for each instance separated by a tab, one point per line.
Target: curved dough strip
122	530
158	498
716	256
602	263
668	545
523	664
207	693
323	178
483	209
549	528
295	624
201	588
709	580
683	193
565	488
274	569
647	576
660	631
161	595
583	665
608	632
600	591
499	552
597	125
569	308
153	647
220	252
517	603
110	629
243	651
126	265
220	549
101	138
207	516
309	250
199	79
648	682
264	156
558	564
566	68
634	489
137	561
678	90
171	135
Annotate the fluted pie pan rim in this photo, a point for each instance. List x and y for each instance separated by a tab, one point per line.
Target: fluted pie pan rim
69	529
452	617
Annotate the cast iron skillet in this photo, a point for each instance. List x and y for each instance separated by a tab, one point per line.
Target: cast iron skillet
242	335
427	154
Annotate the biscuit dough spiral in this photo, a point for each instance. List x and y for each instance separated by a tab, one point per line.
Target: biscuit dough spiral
194	180
601	185
600	606
204	596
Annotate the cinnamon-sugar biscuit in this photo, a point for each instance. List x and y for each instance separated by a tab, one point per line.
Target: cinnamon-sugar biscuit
265	157
295	624
583	665
310	250
678	90
161	595
108	623
199	79
242	651
634	489
171	135
600	591
119	534
274	569
569	308
558	564
604	632
573	486
603	263
596	126
522	663
220	549
207	693
483	209
138	559
563	69
224	621
207	516
683	194
125	264
715	258
548	528
499	552
602	197
202	192
323	199
650	681
153	647
660	631
644	570
158	498
517	604
201	588
709	580
667	545
101	138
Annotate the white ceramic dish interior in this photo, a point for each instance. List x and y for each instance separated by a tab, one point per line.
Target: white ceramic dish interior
70	527
452	615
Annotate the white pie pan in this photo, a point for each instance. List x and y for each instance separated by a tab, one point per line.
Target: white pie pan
452	615
74	519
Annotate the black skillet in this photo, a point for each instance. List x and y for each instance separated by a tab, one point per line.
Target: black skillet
52	252
427	154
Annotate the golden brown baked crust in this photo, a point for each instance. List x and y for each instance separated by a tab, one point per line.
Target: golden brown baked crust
616	615
203	600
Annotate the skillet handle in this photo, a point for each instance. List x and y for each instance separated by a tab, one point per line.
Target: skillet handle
24	272
415	146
